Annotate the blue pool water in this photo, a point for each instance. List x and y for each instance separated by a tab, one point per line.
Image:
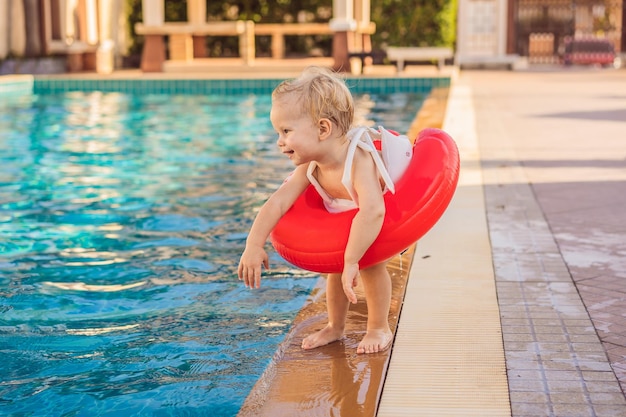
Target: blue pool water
122	218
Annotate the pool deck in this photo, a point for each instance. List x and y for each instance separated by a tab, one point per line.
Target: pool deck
553	173
526	307
515	303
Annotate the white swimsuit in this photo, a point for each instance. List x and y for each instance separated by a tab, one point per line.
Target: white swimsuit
396	151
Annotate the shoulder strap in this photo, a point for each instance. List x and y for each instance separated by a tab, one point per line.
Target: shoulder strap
361	137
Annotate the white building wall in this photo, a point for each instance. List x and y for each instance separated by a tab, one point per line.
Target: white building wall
481	33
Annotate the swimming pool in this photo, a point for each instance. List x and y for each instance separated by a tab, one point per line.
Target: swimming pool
123	215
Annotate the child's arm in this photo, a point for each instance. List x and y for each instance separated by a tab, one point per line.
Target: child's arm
367	222
254	255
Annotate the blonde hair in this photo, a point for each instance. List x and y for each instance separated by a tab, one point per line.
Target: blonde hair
321	94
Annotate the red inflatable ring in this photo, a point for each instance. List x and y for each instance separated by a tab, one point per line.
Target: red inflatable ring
311	238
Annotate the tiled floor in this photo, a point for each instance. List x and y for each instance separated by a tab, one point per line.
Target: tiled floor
554	171
448	358
551	162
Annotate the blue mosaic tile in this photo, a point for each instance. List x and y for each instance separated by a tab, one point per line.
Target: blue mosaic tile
243	86
43	85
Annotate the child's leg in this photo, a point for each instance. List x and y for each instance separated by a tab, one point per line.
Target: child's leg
377	286
337	305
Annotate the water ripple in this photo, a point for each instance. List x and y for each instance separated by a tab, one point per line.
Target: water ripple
123	218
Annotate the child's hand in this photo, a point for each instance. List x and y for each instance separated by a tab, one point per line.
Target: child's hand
250	266
349	280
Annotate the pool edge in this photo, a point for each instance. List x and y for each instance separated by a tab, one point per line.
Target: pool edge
449	354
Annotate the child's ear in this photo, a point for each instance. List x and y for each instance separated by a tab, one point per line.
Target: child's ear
325	128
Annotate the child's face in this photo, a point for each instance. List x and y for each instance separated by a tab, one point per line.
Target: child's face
298	136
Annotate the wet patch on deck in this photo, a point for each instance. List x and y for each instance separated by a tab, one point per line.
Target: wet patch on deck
333	378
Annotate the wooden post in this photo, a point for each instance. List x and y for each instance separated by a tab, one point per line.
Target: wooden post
196	14
105	51
4	29
89	33
511	31
246	44
72	32
17	45
344	25
181	47
33	23
363	41
153	54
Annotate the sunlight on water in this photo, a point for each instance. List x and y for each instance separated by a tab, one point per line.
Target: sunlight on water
122	220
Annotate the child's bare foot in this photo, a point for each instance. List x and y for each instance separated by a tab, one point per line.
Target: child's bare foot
325	336
377	340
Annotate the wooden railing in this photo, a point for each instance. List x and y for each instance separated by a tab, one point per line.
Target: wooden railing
181	37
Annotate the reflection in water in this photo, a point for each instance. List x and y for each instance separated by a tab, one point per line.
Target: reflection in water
101	330
331	380
123	218
81	286
366	375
